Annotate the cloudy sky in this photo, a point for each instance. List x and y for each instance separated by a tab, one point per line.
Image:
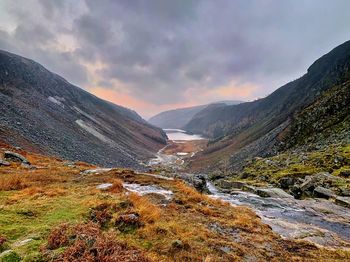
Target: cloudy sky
154	55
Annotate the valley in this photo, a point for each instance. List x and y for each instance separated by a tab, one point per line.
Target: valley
209	179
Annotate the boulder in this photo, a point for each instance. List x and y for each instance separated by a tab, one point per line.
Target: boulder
286	182
12	156
323	192
272	192
345	191
225	184
343	201
248	188
4	163
311	182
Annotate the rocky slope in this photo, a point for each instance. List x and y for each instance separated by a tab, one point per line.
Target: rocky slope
256	128
178	118
41	111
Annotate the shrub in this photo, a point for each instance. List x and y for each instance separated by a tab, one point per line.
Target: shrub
117	186
148	212
102	213
88	243
58	237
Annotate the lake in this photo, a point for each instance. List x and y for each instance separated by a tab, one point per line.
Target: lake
178	134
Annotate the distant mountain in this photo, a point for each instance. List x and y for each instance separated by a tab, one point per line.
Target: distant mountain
41	111
178	118
250	129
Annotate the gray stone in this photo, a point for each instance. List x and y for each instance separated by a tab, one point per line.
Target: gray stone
311	182
323	192
178	244
248	188
345	192
12	156
225	184
343	201
4	163
286	182
272	192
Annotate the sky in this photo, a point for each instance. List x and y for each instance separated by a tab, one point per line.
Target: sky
155	55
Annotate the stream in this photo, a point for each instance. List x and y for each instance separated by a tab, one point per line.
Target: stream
316	220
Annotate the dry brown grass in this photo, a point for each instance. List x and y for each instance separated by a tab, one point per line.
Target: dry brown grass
190	194
148	212
12	182
86	242
117	186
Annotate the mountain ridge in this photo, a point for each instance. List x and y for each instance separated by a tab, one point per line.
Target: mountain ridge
232	128
49	114
179	117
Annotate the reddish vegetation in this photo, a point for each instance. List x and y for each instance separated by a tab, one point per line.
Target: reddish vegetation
86	242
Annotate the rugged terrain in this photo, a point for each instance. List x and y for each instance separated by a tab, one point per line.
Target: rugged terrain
42	112
54	210
178	118
281	120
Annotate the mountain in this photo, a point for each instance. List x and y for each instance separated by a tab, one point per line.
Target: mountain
178	118
43	112
254	128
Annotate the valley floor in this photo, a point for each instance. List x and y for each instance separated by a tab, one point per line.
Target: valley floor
56	210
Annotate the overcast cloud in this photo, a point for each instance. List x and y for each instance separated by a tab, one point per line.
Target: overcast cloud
154	55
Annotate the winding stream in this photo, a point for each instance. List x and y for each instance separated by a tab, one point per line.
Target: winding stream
317	220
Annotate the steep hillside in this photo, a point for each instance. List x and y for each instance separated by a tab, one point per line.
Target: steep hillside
43	112
326	121
252	128
178	118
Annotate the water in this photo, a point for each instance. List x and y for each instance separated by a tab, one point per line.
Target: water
316	220
178	134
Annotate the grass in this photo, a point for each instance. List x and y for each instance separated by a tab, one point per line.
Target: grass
68	218
333	160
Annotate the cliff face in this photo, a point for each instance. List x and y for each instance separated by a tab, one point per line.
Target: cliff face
41	111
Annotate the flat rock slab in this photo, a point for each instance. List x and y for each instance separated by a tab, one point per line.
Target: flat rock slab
23	242
343	201
104	186
323	192
96	171
272	192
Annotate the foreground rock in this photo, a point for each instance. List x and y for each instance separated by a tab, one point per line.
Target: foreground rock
4	163
323	192
273	192
343	201
12	156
